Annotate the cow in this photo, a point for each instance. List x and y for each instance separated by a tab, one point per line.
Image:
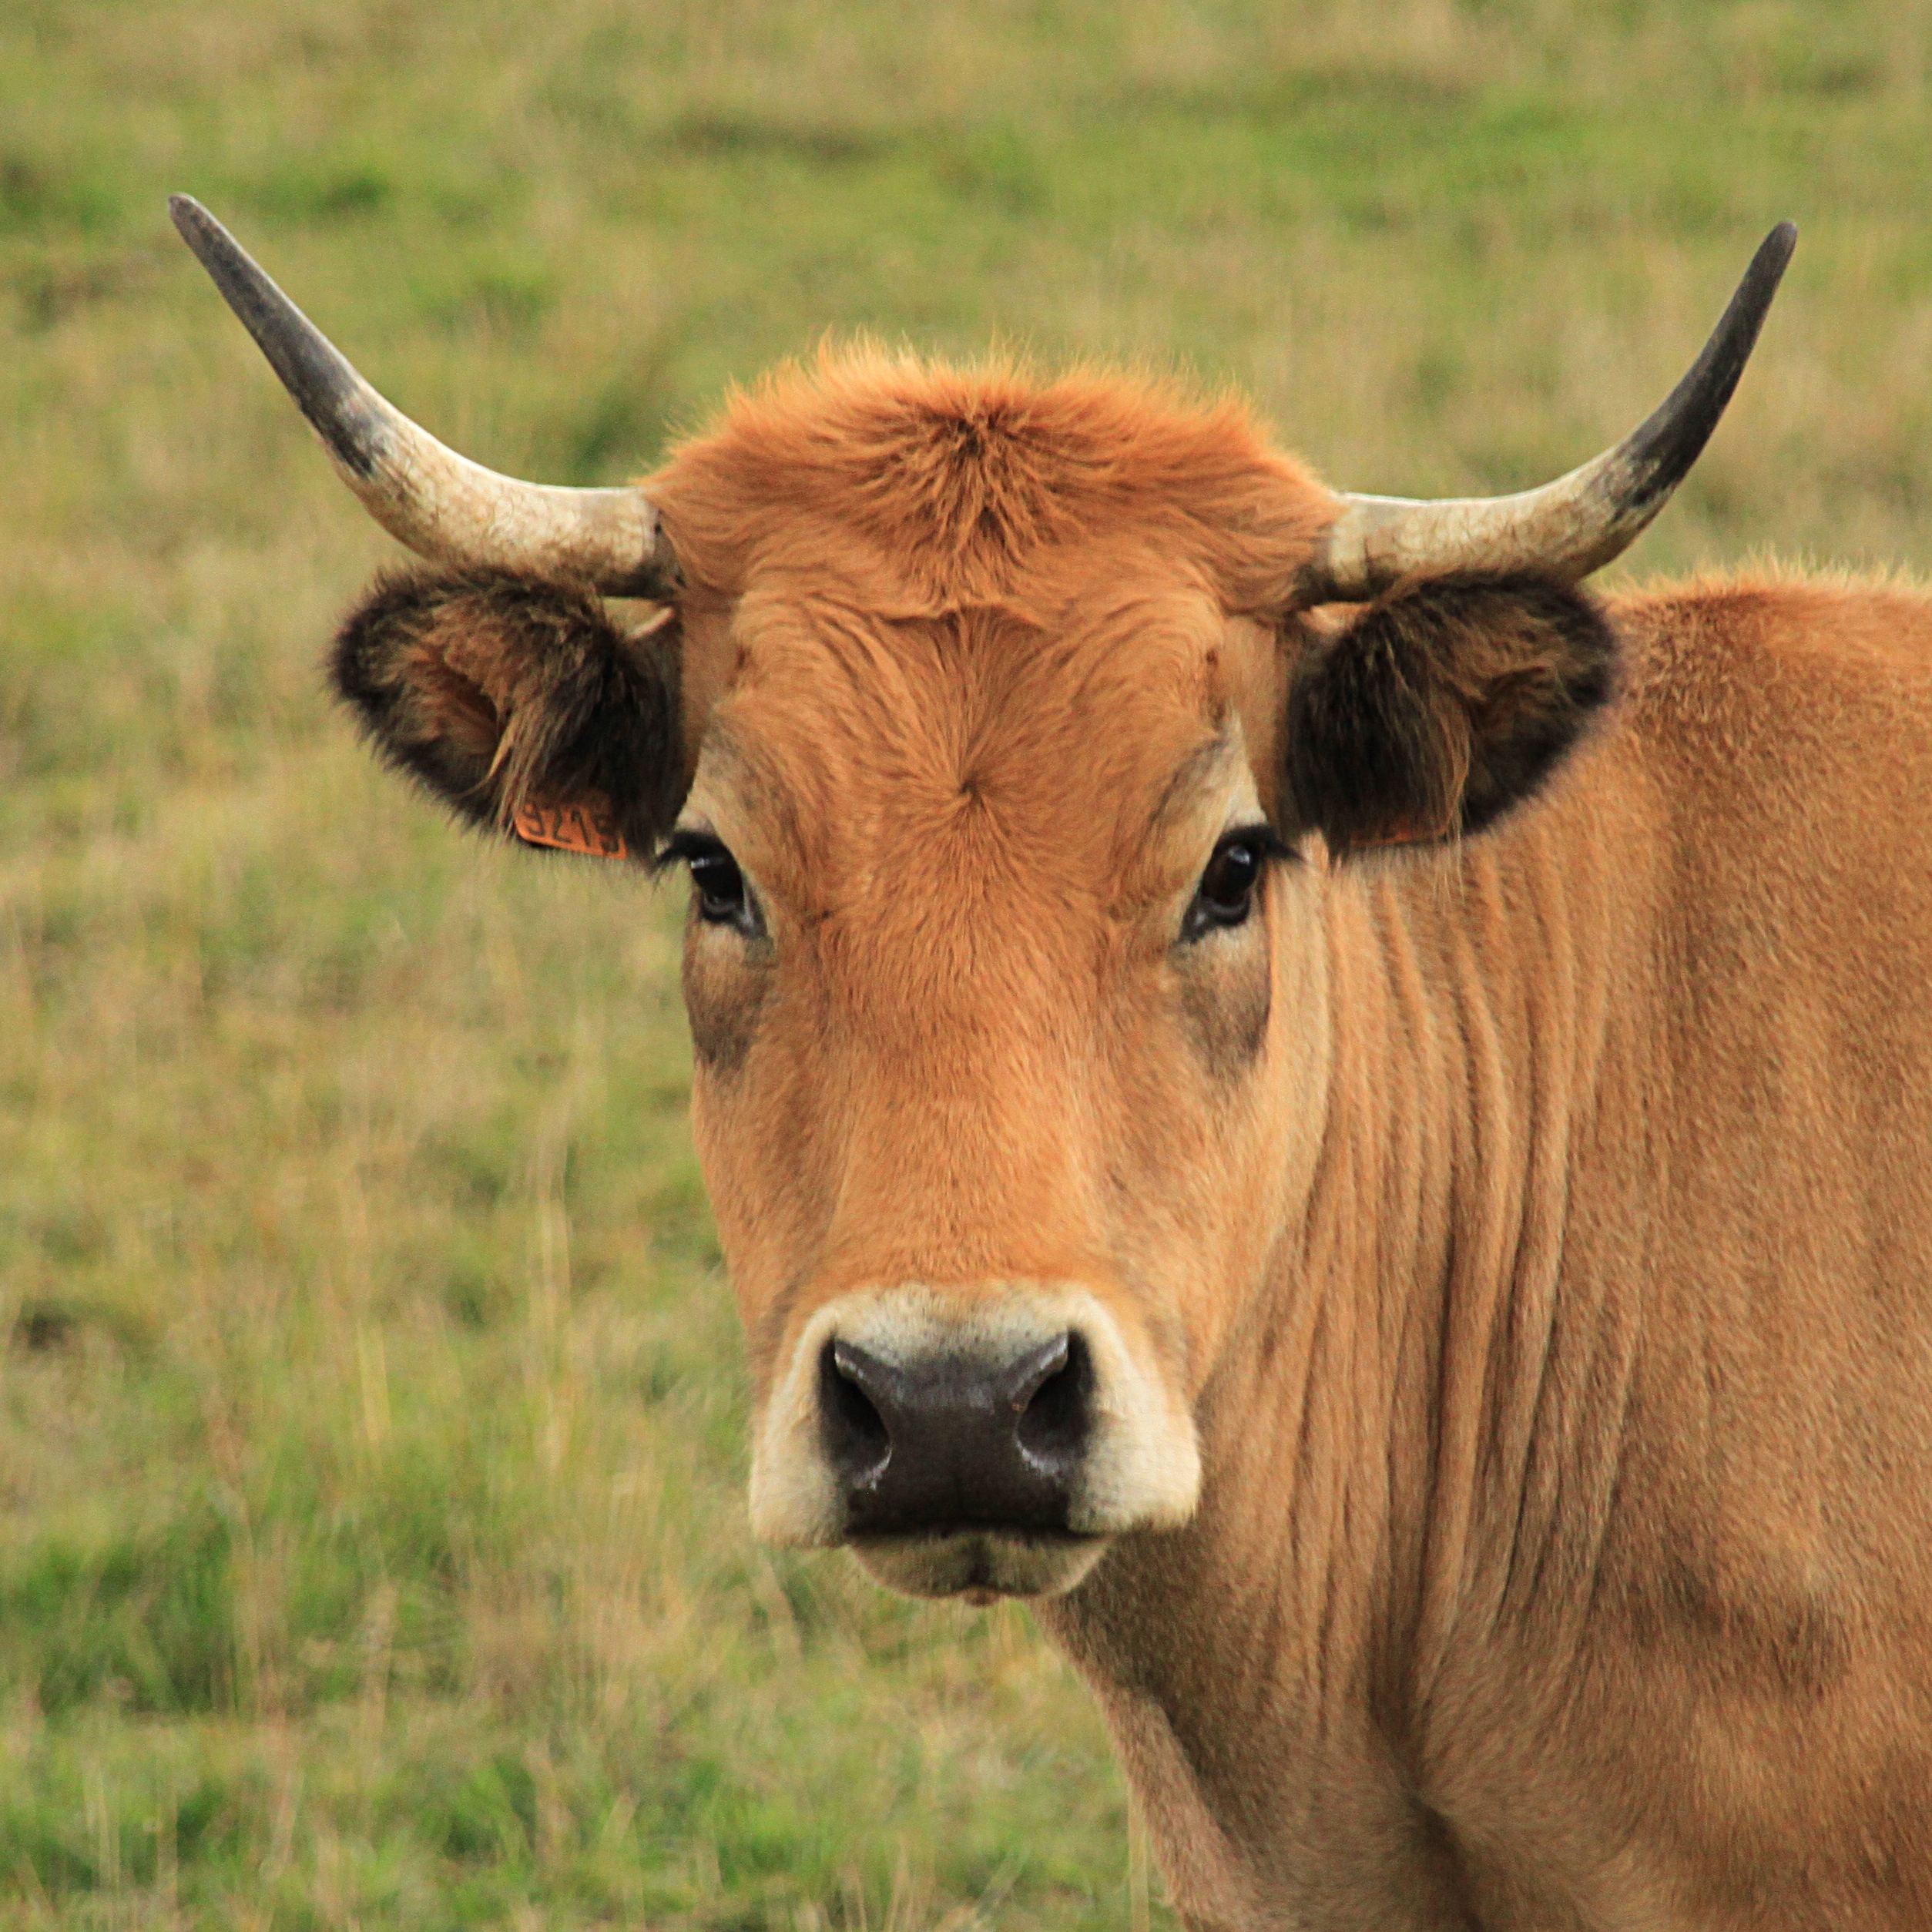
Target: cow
1280	1078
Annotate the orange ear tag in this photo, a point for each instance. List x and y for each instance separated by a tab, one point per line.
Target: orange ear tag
588	828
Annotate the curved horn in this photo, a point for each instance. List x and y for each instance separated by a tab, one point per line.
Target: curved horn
1582	521
442	505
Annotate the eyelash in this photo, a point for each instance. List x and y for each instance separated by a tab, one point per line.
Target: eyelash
682	847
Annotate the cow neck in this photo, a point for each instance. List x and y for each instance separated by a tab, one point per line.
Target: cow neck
1466	1085
1373	1439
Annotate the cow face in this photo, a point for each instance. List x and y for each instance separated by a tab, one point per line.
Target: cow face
1009	803
984	1002
1010	735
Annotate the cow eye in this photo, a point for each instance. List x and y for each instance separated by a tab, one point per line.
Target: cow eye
1226	895
718	887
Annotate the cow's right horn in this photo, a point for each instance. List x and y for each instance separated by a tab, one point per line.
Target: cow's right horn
442	505
1579	523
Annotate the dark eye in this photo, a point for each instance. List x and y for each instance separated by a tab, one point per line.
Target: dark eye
718	886
1226	895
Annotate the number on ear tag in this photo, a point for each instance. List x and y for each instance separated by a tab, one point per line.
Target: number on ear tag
589	827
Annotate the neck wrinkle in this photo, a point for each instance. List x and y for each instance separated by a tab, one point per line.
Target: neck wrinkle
1494	972
1392	1438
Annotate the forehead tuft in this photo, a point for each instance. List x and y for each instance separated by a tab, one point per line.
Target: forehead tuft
930	486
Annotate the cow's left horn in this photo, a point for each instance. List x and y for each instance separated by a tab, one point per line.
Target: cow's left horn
442	505
1582	521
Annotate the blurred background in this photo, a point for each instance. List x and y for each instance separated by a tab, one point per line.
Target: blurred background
372	1550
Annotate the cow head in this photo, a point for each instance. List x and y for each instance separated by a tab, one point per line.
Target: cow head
1010	734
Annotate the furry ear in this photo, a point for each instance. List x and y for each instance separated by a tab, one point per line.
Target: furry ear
1441	706
520	704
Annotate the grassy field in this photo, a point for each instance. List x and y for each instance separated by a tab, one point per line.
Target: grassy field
372	1550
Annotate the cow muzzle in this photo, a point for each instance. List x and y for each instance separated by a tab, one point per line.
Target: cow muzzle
984	1444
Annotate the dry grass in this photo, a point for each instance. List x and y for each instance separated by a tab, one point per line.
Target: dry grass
372	1426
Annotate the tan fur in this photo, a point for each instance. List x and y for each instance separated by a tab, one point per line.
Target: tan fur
1549	1282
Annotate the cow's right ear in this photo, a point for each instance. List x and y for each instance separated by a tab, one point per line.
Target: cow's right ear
521	705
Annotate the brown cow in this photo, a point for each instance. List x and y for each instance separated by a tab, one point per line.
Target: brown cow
1439	1322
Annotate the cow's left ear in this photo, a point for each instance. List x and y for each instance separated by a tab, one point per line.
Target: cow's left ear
1441	706
521	705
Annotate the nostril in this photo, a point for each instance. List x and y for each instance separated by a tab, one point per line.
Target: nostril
856	1438
1054	1421
949	1440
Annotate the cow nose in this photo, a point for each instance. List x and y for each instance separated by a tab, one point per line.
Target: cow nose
954	1442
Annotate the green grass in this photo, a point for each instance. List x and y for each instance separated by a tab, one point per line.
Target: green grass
372	1427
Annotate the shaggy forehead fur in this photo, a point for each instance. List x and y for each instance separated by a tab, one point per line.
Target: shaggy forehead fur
916	590
934	488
